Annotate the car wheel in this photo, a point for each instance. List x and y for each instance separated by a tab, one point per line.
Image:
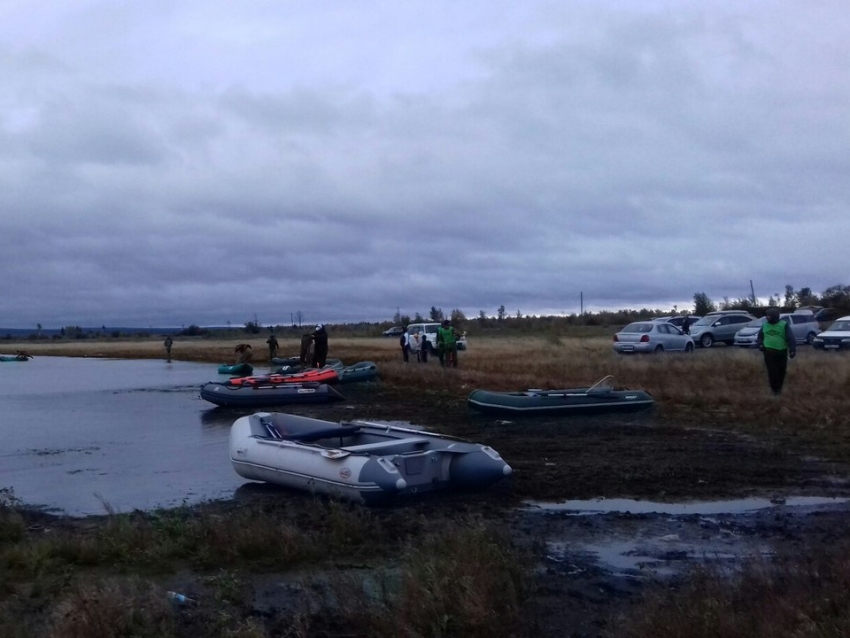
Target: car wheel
659	348
689	347
810	338
706	341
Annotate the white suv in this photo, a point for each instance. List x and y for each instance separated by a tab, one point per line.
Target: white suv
719	326
429	331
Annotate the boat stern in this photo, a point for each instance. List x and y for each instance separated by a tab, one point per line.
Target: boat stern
478	468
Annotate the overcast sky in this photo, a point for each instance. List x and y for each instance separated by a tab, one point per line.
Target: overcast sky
207	161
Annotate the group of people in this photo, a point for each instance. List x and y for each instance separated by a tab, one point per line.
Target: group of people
446	345
314	348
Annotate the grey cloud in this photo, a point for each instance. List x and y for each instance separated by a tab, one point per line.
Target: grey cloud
634	155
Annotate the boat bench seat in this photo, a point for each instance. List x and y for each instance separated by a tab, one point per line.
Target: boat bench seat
386	447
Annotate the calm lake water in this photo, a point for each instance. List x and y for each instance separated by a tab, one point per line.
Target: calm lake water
78	433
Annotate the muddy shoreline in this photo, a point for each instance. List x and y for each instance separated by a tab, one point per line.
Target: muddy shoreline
589	569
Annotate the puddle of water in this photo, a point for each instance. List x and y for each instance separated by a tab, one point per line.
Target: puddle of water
670	539
655	557
703	508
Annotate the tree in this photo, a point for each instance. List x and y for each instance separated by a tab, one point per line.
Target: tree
703	304
790	297
837	296
500	313
252	327
805	297
436	314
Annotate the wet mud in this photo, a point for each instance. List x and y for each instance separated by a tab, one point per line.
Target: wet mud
615	504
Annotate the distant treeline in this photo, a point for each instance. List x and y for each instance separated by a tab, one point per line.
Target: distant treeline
835	297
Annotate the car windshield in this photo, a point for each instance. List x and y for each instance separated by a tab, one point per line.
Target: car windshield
638	327
843	326
755	323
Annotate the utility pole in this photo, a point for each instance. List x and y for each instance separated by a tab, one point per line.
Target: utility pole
752	292
581	301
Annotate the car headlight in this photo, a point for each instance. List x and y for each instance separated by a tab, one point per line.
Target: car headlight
818	340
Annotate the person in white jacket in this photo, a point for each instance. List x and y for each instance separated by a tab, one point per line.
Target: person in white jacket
404	342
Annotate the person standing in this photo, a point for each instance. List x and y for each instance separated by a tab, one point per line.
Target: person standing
305	356
245	352
447	344
404	342
320	346
168	343
423	346
415	346
777	342
273	346
686	325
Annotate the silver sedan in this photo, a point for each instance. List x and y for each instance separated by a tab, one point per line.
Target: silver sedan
652	336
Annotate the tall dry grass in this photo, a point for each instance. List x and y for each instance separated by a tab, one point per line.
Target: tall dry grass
447	576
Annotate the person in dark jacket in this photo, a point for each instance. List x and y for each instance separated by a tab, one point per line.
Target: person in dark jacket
168	343
305	356
776	340
320	346
423	347
273	346
404	342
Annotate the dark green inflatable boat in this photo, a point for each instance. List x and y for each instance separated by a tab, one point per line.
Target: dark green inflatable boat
237	370
598	398
363	371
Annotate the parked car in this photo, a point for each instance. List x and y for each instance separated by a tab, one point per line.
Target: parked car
651	336
804	325
825	316
802	322
836	337
678	320
747	337
719	326
429	330
395	331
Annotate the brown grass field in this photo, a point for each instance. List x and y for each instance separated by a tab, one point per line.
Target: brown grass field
455	565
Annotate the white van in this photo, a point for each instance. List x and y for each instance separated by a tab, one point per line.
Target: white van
428	331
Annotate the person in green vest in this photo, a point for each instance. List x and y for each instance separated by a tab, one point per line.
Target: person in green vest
447	344
776	341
